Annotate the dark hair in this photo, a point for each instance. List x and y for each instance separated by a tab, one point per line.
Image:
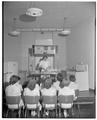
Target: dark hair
45	56
31	84
47	83
25	84
72	78
59	77
14	79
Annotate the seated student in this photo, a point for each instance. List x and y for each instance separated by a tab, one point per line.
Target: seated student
65	91
48	90
32	89
58	80
42	84
27	81
73	85
64	73
14	89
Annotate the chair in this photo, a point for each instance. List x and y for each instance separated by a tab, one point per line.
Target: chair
68	99
13	100
84	101
31	100
76	93
75	99
85	98
49	100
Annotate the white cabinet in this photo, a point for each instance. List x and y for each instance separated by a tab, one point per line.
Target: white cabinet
81	75
10	68
82	79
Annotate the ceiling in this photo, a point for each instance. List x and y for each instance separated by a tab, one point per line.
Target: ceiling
53	13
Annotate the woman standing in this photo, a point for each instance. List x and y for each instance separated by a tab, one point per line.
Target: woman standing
43	64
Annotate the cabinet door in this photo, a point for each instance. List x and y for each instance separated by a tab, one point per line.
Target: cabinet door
13	67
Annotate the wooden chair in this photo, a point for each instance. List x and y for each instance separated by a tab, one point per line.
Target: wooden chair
84	101
31	100
49	100
68	99
13	100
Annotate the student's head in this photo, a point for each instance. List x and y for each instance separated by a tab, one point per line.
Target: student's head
72	78
65	83
31	84
64	73
44	56
48	83
14	79
60	76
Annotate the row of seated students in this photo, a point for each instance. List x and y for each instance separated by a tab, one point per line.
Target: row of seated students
47	87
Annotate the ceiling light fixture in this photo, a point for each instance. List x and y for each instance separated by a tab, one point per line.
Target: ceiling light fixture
33	11
14	32
64	32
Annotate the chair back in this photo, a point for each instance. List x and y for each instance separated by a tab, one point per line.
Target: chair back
49	99
66	99
76	93
31	99
13	99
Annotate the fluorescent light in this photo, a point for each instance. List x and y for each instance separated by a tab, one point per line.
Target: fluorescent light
14	33
65	32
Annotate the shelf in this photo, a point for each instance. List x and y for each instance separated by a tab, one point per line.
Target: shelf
38	50
40	55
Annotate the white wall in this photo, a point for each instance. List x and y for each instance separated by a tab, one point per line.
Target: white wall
81	47
60	58
16	48
77	47
11	47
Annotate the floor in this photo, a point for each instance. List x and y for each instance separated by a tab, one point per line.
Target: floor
86	111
